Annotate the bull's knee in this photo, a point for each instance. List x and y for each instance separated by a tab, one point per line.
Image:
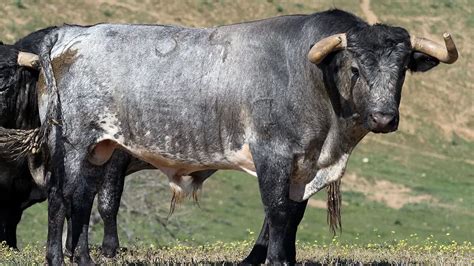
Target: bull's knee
101	152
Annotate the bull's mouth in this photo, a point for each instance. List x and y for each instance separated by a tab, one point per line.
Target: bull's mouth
384	131
381	126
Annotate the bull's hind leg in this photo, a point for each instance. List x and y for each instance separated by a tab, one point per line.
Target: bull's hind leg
56	215
57	202
109	197
10	216
87	179
81	206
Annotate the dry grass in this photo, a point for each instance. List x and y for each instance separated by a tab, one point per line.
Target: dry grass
397	252
440	102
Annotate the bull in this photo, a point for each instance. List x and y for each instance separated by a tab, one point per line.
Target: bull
285	99
18	109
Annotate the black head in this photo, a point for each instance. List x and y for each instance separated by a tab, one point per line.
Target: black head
17	83
17	90
9	76
379	57
370	71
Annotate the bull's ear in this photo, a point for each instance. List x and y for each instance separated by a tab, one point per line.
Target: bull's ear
420	62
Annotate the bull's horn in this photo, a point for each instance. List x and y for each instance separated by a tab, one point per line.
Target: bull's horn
28	60
325	46
448	54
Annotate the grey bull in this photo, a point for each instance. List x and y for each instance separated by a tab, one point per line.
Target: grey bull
285	99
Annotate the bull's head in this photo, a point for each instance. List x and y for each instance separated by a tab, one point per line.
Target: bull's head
372	69
14	66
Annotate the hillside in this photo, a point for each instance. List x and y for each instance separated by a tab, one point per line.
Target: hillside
415	183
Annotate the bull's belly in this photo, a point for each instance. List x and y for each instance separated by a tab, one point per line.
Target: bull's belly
177	166
179	169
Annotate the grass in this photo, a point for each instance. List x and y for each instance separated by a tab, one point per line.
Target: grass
431	154
394	252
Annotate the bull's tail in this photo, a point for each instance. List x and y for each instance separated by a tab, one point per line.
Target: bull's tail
16	144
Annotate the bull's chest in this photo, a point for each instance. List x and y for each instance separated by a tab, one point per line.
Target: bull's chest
308	180
328	165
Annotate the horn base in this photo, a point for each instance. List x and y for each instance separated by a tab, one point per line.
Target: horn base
325	46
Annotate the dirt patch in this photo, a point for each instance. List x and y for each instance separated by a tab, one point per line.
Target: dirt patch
320	204
391	194
368	13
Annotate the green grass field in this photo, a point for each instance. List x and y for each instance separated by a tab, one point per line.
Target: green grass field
414	185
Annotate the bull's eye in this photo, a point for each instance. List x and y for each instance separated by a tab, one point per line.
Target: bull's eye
355	75
355	72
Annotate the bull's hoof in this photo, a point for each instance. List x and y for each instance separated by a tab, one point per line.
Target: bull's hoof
109	252
53	259
84	260
256	256
67	253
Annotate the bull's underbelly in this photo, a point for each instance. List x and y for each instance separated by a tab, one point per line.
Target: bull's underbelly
173	164
176	165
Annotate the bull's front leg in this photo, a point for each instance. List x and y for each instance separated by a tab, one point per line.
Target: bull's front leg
259	250
109	197
68	246
274	169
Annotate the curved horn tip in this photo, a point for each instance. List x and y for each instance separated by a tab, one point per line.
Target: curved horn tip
451	48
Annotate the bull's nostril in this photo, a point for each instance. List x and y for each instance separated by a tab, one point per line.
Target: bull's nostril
375	117
393	121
